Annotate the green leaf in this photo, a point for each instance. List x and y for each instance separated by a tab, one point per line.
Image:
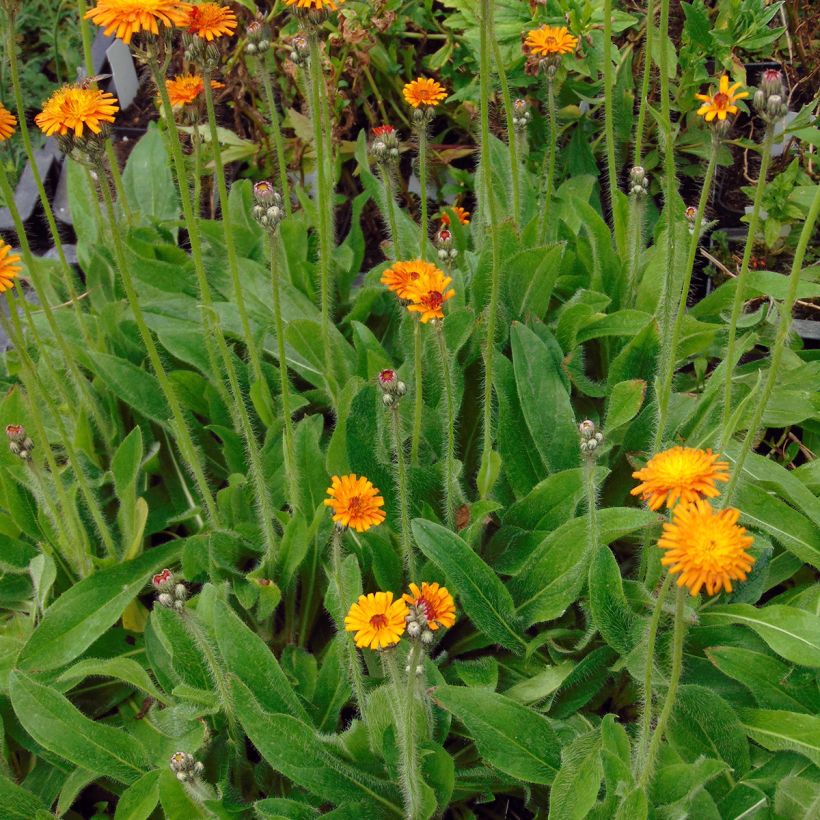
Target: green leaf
509	736
125	464
83	613
124	669
775	730
797	798
638	359
531	278
140	799
149	186
576	785
294	749
278	808
610	612
54	723
625	401
18	803
793	633
484	598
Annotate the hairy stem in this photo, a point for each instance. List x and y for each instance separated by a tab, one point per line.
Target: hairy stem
390	207
404	498
647	74
450	482
609	123
418	400
552	149
276	129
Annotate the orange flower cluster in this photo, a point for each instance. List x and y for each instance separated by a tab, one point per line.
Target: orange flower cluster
187	88
422	284
73	108
355	502
424	92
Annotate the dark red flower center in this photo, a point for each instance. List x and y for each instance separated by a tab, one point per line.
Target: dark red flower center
721	101
434	299
387	376
378	621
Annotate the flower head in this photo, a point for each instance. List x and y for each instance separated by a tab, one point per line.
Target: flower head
428	294
377	620
129	17
186	89
722	102
403	274
316	5
706	547
680	474
9	267
355	501
424	92
462	214
209	21
8	122
549	40
162	579
434	602
383	130
73	108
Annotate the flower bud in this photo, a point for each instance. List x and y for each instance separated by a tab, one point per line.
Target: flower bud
186	767
427	637
300	50
268	208
392	387
163	581
166	599
413	629
388	399
771	82
258	36
590	437
19	442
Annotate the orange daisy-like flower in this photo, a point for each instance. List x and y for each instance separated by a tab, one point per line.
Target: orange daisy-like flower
129	17
73	108
428	294
550	40
722	103
377	620
9	267
706	547
210	20
435	602
355	501
424	91
680	474
462	214
402	275
185	89
317	5
8	122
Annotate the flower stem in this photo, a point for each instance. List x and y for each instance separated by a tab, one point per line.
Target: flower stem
609	125
740	284
276	129
291	466
552	149
404	498
450	481
669	342
592	503
647	73
421	130
636	215
181	429
648	765
390	207
418	400
324	188
777	351
646	715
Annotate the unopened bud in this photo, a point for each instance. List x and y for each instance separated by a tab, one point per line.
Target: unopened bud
388	399
771	82
19	442
427	637
166	599
186	767
413	629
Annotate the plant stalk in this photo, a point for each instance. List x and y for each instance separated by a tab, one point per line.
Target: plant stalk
647	74
609	124
404	498
418	399
450	481
552	149
276	128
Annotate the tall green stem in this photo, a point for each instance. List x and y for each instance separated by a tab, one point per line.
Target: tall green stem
647	74
390	206
646	714
669	342
183	433
404	499
421	130
777	351
276	129
635	245
450	482
495	270
740	283
552	149
324	196
609	122
418	399
648	764
592	502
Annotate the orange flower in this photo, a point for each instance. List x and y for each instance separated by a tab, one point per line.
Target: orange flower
428	294
210	20
9	267
318	5
8	122
706	547
377	620
424	91
185	89
73	108
435	602
722	103
401	276
355	501
550	40
462	214
129	17
680	474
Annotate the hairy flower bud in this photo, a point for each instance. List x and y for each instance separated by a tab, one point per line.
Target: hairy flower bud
590	437
186	767
258	36
19	442
268	208
521	115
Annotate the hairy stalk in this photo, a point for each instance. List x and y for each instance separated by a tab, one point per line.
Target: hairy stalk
199	171
635	244
291	464
646	714
230	245
404	715
66	272
404	498
84	389
324	196
36	388
418	400
591	491
450	481
669	343
185	441
390	206
495	270
276	129
609	123
648	765
740	283
552	149
777	351
647	74
421	131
